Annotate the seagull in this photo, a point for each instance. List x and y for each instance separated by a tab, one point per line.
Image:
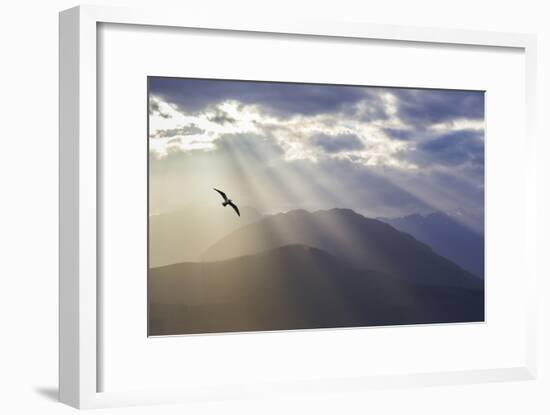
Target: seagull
227	201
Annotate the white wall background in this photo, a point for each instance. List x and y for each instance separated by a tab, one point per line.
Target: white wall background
28	208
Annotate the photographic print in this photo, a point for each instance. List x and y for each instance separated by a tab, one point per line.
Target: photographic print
283	206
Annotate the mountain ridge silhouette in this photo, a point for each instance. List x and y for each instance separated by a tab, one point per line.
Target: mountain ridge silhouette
446	236
295	287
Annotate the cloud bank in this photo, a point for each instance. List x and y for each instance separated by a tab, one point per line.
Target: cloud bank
280	146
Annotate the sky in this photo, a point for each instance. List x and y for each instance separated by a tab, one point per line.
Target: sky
383	152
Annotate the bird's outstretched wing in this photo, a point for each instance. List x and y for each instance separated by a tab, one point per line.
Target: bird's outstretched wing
221	193
234	206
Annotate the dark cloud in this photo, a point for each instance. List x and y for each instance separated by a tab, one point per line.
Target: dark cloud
279	99
190	129
424	107
455	148
415	107
221	117
337	143
399	133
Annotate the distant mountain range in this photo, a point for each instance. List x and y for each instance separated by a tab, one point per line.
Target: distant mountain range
448	237
329	268
359	241
295	287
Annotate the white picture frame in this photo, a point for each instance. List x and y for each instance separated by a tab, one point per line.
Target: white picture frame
80	167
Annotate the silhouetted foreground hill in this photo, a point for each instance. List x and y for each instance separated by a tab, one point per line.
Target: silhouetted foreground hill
295	287
447	237
358	241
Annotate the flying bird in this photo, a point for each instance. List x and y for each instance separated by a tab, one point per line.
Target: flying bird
227	201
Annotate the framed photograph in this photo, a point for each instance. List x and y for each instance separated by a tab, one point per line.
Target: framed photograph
330	220
281	206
